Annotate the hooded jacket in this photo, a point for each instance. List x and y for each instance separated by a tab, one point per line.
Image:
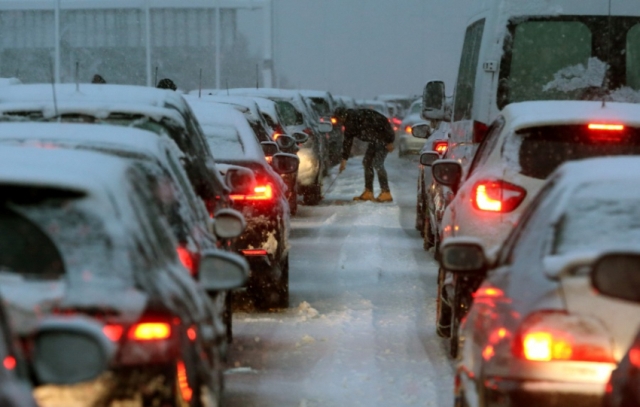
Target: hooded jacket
366	125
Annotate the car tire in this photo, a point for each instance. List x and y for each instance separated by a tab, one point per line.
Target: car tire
428	238
228	316
313	194
443	311
273	292
456	311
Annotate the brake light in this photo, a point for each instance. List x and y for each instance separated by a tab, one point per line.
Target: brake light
9	363
260	193
634	357
407	129
490	292
276	136
150	331
334	120
254	252
269	159
497	196
113	332
188	259
606	127
440	147
183	383
396	121
192	334
556	336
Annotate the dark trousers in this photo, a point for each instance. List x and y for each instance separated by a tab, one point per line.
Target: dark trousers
374	159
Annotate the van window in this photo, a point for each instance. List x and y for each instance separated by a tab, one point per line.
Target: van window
467	72
633	57
540	50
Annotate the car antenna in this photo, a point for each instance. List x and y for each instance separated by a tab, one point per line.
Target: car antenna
53	88
200	85
77	76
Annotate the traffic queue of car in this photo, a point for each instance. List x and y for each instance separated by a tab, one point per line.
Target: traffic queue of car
526	198
128	217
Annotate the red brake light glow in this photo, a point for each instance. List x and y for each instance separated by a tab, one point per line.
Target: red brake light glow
9	363
407	129
260	193
607	127
189	260
634	357
254	252
440	147
276	136
150	331
334	120
113	332
183	383
192	333
497	196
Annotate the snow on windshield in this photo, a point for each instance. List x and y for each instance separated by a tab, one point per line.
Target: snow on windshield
599	216
578	76
224	142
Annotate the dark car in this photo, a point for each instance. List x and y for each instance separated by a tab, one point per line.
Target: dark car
104	251
265	242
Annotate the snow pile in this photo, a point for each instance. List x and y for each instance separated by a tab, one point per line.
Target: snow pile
578	77
306	311
625	95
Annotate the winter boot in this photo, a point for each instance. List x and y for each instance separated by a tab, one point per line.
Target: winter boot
385	196
366	196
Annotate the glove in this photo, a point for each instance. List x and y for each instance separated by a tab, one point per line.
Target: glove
389	147
343	165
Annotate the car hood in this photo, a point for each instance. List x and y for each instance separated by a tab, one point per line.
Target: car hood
27	302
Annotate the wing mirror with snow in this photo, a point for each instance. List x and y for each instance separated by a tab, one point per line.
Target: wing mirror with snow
422	130
222	271
284	163
463	255
240	180
228	224
269	148
447	173
617	275
285	142
300	137
428	158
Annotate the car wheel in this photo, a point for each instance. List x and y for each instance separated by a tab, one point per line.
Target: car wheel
456	312
443	311
273	292
428	239
228	316
313	194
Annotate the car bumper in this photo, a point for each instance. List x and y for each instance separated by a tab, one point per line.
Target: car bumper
504	392
411	144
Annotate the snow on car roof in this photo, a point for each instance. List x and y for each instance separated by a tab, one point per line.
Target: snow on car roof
245	101
9	81
96	109
212	114
600	169
102	93
541	113
315	94
131	139
267	92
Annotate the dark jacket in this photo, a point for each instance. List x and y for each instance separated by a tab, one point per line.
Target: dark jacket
366	125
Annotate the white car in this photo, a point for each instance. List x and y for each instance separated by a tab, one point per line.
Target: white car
406	142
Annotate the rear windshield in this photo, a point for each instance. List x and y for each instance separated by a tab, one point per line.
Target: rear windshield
288	113
321	106
224	142
538	151
45	234
601	215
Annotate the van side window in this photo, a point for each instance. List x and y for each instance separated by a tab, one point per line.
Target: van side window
488	144
633	57
465	86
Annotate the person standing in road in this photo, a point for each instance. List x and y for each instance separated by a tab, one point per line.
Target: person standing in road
374	128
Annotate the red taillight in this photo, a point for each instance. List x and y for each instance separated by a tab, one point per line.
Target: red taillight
488	292
396	121
150	331
254	252
606	127
480	131
497	196
260	193
189	260
634	357
557	336
192	333
440	147
113	332
183	383
9	363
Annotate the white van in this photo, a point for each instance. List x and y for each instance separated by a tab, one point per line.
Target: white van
523	50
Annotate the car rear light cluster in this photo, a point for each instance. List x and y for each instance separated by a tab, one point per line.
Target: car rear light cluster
407	129
142	332
440	147
606	132
183	383
254	252
558	336
260	193
191	261
9	362
497	196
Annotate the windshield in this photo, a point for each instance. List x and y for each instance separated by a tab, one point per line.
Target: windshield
224	142
288	113
600	216
569	58
537	152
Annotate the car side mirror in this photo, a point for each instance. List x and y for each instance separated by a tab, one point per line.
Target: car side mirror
617	275
284	163
463	255
300	137
285	142
447	173
325	126
222	271
422	130
241	181
434	101
269	148
228	224
68	351
428	158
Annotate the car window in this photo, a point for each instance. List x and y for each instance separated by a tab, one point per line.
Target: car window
225	142
186	187
633	57
600	215
537	152
487	145
416	108
288	113
465	86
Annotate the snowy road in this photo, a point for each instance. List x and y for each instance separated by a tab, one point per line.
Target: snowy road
360	328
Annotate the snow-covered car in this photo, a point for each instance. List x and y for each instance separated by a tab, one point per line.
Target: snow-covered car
50	356
158	158
406	142
104	251
537	330
525	144
323	103
265	242
158	110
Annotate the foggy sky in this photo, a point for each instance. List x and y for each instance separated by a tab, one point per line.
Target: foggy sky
363	48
